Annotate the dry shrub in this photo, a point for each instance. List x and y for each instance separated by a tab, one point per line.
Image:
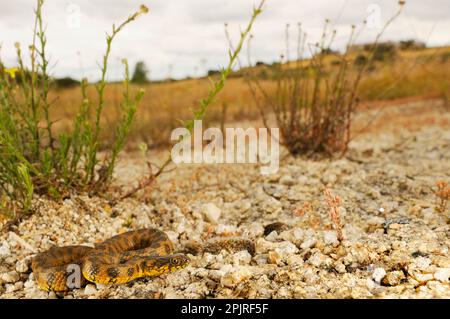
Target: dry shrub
334	203
443	195
313	101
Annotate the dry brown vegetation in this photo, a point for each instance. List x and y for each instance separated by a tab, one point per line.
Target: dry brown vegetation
417	73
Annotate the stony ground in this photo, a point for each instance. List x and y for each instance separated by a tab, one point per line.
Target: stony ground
396	240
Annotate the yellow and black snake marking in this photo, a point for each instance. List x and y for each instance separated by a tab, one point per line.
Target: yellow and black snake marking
118	260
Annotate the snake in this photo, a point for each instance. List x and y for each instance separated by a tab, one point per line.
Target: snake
118	260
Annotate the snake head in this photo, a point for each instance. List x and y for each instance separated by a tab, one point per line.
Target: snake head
157	265
178	261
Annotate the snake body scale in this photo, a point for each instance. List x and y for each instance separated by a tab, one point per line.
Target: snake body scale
118	260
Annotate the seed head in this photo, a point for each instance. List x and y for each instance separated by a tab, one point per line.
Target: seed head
143	9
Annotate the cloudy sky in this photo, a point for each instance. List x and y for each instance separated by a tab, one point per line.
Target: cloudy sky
181	38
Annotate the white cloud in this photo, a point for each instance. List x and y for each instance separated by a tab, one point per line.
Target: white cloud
185	33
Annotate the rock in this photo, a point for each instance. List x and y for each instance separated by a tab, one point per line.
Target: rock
90	290
212	213
4	250
271	206
298	234
23	265
419	254
272	236
242	258
293	235
276	191
30	283
329	178
274	257
233	278
442	274
35	293
393	278
340	268
278	227
10	277
396	223
19	285
330	238
299	292
423	277
10	288
171	295
254	230
263	245
286	248
101	286
378	274
422	263
318	259
261	259
370	284
243	205
52	295
294	260
143	221
287	180
308	243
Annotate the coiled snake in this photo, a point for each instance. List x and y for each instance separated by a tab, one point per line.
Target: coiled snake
118	260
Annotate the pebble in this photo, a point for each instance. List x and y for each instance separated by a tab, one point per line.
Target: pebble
393	278
286	248
442	274
423	277
242	258
261	259
273	236
52	295
23	265
212	213
263	245
308	243
235	277
274	257
294	260
10	288
287	180
29	283
422	263
329	178
317	259
4	249
330	238
340	268
10	277
378	274
90	290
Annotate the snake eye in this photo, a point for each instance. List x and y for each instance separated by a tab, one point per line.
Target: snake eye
175	261
179	260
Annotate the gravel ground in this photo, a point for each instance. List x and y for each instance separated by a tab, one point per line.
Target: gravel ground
396	241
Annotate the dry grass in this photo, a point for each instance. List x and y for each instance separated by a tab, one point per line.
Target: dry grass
443	195
334	203
420	73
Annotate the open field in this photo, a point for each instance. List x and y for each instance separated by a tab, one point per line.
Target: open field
320	177
396	241
417	74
